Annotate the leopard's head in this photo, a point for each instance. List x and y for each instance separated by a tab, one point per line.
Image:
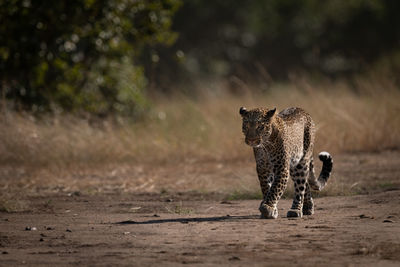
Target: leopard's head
256	125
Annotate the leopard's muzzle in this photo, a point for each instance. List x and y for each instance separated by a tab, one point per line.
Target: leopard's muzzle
254	142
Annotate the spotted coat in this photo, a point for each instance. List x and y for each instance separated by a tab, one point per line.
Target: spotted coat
283	147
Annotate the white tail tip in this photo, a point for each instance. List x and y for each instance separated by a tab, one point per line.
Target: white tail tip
324	154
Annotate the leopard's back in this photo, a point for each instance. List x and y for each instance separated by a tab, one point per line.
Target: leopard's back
297	131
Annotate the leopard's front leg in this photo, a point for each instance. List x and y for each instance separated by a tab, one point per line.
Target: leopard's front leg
265	176
268	206
265	169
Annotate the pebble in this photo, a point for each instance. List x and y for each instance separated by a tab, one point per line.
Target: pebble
76	193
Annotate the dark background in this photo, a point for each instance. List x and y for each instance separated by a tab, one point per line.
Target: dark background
107	57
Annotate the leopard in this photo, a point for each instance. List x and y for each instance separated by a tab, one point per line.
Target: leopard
283	147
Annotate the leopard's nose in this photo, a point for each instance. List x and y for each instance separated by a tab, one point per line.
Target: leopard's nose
253	141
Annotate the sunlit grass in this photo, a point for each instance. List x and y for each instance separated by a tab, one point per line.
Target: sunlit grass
207	129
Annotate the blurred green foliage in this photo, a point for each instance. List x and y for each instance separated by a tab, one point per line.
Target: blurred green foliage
100	56
268	39
80	55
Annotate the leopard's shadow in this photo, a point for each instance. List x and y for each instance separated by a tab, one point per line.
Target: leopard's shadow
193	219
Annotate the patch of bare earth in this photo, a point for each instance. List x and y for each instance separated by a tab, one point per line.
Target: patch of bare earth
145	229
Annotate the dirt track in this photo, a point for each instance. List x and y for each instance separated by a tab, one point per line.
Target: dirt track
117	228
149	229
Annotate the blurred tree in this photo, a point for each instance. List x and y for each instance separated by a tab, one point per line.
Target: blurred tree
79	55
271	38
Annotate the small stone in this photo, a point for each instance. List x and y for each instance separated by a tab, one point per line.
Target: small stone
30	228
169	200
75	193
362	251
127	233
41	239
68	230
4	252
156	215
388	221
49	228
234	258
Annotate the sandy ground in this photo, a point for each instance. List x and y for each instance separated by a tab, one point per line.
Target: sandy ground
149	229
171	229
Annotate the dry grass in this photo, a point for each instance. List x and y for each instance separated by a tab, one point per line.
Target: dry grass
181	131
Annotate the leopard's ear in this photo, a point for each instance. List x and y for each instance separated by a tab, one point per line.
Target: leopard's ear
243	111
271	112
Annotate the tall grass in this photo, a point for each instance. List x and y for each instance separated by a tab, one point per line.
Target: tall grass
208	128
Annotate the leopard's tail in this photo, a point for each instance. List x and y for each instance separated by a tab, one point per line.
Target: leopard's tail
327	163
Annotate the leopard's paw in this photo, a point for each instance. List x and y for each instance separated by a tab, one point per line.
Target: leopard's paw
308	211
268	212
294	213
308	207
